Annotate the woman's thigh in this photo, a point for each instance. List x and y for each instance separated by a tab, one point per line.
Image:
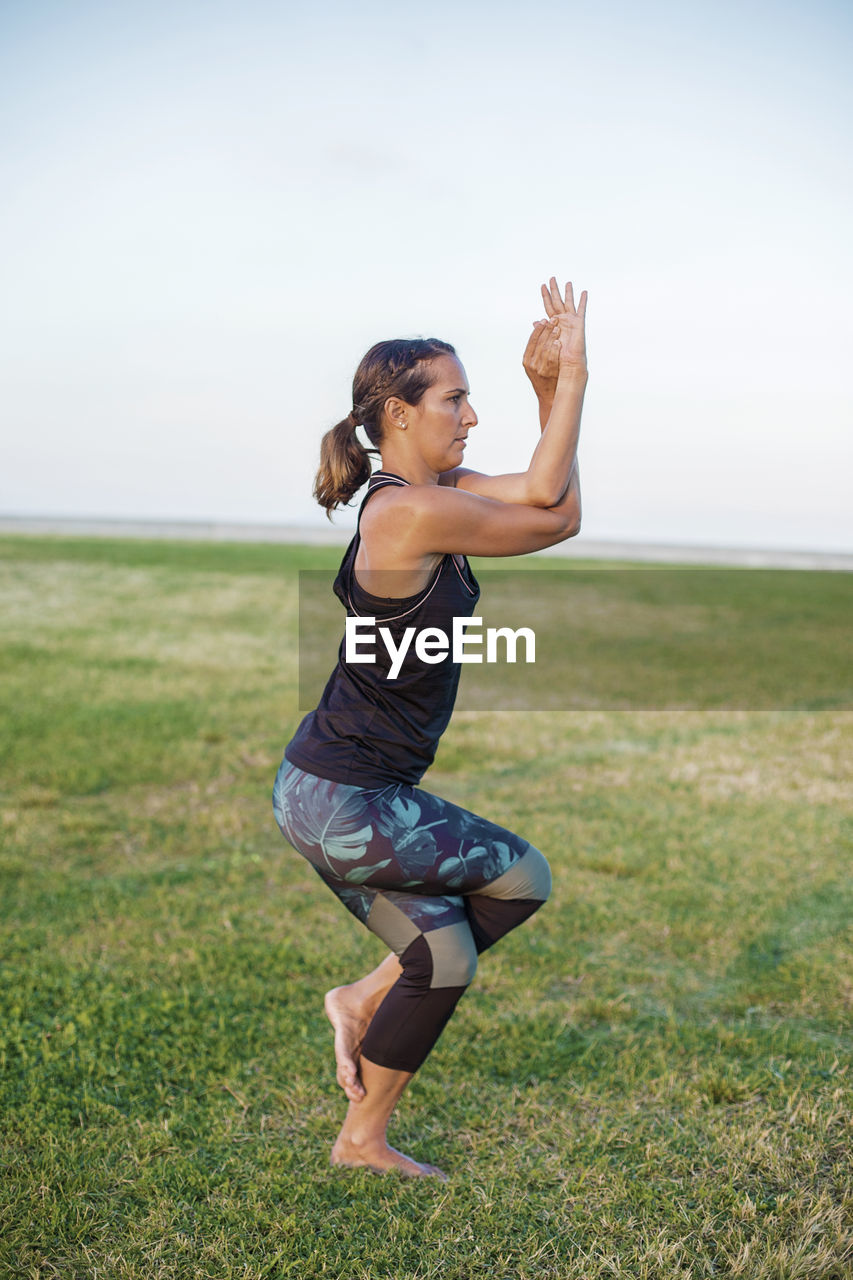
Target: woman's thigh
410	865
397	838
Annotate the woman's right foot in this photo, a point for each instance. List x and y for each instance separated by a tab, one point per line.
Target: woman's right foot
382	1159
350	1019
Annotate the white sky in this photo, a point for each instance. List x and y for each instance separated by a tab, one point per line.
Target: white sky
211	210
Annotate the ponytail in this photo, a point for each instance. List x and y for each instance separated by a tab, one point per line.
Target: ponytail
344	465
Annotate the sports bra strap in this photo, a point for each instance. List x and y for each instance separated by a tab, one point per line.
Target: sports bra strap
384	476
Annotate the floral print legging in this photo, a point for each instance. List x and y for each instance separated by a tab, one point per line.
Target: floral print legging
437	883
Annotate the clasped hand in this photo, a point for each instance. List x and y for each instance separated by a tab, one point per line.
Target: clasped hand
557	342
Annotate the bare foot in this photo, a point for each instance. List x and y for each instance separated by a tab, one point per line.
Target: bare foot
382	1159
350	1019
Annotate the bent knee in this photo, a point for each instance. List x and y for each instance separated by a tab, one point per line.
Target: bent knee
538	873
528	878
454	956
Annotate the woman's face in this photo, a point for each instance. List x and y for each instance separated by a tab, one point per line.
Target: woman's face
440	424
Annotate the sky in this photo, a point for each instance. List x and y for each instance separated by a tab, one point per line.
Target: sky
211	210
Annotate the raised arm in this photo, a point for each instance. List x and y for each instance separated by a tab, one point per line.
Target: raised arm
555	361
412	524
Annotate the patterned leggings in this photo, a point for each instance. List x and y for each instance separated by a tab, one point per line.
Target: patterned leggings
435	882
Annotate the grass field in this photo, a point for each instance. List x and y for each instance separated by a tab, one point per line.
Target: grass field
651	1079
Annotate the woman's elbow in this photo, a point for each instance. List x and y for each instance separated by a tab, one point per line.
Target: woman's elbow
569	525
569	511
568	529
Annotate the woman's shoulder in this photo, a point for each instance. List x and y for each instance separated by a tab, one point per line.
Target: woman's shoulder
396	509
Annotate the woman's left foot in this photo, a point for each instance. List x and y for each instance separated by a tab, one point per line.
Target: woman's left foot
380	1158
349	1021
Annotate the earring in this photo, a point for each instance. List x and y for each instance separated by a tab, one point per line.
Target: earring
402	425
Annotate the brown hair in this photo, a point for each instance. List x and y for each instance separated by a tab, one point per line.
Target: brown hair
399	367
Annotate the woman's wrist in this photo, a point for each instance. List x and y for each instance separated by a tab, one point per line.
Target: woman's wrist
572	373
544	388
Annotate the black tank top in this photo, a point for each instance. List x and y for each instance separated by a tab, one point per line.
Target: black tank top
368	730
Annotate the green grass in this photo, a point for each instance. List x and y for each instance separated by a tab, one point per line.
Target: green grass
650	1079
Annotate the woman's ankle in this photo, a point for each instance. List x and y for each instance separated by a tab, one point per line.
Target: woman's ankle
359	1144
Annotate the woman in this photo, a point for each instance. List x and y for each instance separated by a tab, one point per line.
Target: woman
437	883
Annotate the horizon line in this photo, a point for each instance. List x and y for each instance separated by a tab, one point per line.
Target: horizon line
317	535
